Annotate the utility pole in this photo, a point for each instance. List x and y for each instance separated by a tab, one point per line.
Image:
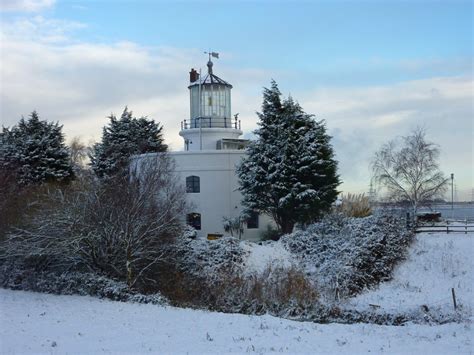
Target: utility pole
371	193
200	110
452	191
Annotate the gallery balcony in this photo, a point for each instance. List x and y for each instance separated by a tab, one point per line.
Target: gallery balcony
210	122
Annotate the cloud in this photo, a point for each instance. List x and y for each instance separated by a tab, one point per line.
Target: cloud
44	67
81	83
39	29
361	119
25	5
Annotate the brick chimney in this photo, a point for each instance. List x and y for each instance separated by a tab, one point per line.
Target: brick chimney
193	75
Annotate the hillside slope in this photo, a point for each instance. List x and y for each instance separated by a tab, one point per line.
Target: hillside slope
41	323
436	263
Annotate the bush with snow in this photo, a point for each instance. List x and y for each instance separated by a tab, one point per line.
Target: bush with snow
22	275
345	255
299	277
192	264
217	274
119	229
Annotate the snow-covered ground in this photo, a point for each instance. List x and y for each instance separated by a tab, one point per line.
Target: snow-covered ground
436	263
270	254
42	323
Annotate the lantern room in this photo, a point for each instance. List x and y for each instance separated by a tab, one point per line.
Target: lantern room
211	124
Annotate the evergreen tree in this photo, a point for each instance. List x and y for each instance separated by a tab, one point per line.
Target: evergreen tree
35	151
121	139
290	172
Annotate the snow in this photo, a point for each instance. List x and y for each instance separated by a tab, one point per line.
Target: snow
436	263
343	255
41	323
270	254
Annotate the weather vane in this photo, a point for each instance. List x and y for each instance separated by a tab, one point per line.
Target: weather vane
212	54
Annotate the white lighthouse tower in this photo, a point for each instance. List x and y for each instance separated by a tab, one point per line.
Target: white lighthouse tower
211	125
212	151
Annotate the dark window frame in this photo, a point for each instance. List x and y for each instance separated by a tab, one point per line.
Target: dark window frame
193	184
253	220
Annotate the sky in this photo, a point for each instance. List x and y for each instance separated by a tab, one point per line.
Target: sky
373	70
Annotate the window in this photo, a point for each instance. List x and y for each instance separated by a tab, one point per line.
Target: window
194	220
193	184
252	221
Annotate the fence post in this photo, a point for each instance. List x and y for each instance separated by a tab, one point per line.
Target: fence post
454	298
447	227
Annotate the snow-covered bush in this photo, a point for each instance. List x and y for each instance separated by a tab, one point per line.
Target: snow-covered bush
345	255
270	234
192	264
277	290
20	275
118	228
212	274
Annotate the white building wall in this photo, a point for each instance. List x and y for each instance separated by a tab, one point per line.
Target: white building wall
209	137
219	196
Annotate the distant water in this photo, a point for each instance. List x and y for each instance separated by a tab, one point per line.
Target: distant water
460	210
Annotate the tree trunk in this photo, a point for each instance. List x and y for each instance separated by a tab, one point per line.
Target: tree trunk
129	268
287	227
415	210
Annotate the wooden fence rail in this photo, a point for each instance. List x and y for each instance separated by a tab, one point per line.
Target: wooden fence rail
447	228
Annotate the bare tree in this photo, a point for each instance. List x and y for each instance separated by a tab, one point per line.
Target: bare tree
78	152
408	169
120	228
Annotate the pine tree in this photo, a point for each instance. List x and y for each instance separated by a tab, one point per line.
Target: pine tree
290	172
121	139
35	150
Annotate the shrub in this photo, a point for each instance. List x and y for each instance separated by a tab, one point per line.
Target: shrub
345	255
210	274
270	234
355	205
25	275
119	228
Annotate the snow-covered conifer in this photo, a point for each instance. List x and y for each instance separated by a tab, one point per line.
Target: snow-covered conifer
122	138
290	171
35	150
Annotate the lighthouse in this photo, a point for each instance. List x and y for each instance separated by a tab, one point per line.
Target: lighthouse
211	125
207	165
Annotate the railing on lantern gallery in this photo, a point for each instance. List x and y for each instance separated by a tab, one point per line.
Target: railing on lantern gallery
210	122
